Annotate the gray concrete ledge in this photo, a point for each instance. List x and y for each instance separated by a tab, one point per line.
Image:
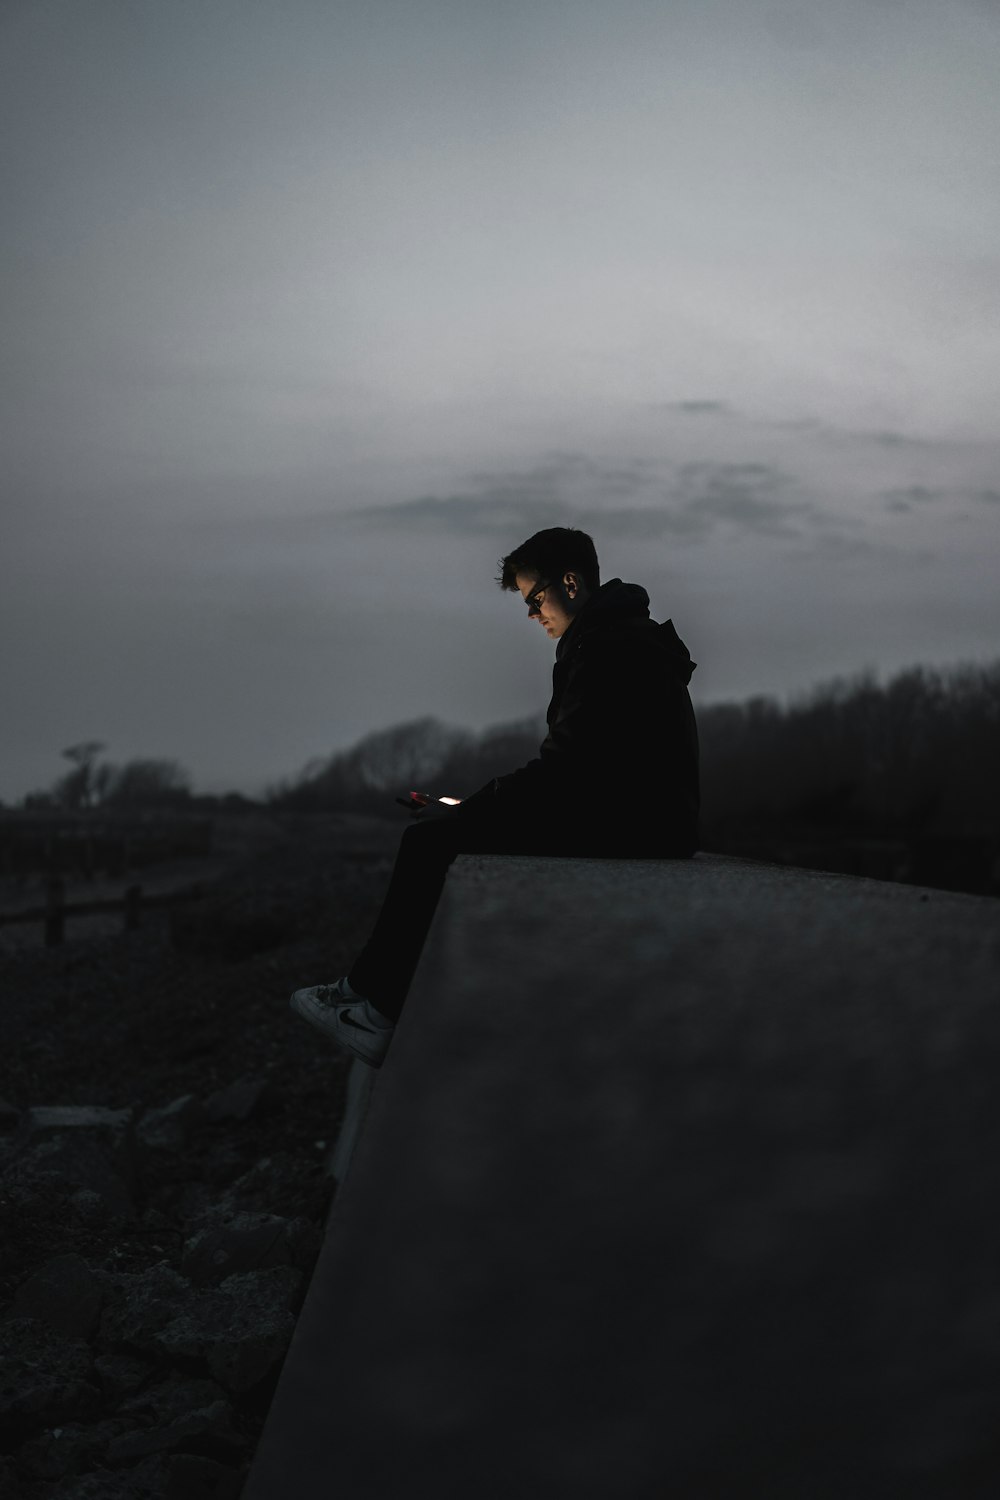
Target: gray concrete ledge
678	1181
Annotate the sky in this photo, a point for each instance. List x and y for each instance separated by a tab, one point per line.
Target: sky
313	310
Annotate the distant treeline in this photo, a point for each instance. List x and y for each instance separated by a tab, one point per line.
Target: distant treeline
921	752
422	755
897	780
94	783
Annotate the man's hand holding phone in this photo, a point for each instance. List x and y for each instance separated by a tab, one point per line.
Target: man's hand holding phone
417	802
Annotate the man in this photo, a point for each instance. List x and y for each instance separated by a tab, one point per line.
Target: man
617	774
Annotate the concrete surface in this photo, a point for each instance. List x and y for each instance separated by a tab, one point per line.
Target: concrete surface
680	1180
360	1082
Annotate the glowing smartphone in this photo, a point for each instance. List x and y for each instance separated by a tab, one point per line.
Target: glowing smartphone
417	800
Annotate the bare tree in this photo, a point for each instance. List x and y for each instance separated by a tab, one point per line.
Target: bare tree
405	755
76	789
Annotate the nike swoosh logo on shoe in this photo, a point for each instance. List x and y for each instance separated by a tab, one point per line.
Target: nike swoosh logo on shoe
346	1019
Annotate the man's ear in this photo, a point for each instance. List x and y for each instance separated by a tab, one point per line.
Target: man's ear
570	583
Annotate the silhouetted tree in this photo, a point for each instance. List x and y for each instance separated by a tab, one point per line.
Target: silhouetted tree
852	760
405	755
420	755
75	790
92	783
912	762
145	783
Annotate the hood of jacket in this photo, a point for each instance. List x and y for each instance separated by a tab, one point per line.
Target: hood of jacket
617	607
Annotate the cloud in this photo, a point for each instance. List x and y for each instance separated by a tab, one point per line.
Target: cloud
836	433
695	408
470	514
839	546
752	496
573	490
888	439
559	490
563	476
904	498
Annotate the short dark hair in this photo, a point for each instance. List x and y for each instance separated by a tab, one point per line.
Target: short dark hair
549	554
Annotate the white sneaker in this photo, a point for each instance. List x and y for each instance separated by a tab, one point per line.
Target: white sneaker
346	1018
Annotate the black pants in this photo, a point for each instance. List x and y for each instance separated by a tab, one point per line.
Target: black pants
384	968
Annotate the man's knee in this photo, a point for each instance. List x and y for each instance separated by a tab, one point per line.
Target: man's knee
436	839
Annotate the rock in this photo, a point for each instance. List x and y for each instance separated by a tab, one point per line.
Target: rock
221	1164
192	1201
113	1129
301	1243
167	1129
173	1476
138	1304
64	1293
75	1165
45	1379
279	1184
147	1481
172	1397
69	1449
121	1375
238	1101
181	1413
249	1242
260	1187
241	1328
83	1147
9	1117
193	1477
95	1212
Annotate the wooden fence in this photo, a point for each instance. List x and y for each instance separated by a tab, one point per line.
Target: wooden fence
131	905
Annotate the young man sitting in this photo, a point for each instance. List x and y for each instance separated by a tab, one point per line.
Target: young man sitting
617	774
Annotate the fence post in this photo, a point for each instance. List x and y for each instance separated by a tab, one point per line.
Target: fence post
55	916
133	907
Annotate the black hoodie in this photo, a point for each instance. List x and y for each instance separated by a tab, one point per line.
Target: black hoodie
618	769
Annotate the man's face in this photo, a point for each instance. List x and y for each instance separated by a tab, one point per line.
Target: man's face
552	603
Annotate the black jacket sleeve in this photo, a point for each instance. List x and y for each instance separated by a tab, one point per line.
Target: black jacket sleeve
581	747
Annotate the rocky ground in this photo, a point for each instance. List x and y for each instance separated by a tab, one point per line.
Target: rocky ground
164	1127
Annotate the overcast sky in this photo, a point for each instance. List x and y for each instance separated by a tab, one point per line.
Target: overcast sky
314	309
